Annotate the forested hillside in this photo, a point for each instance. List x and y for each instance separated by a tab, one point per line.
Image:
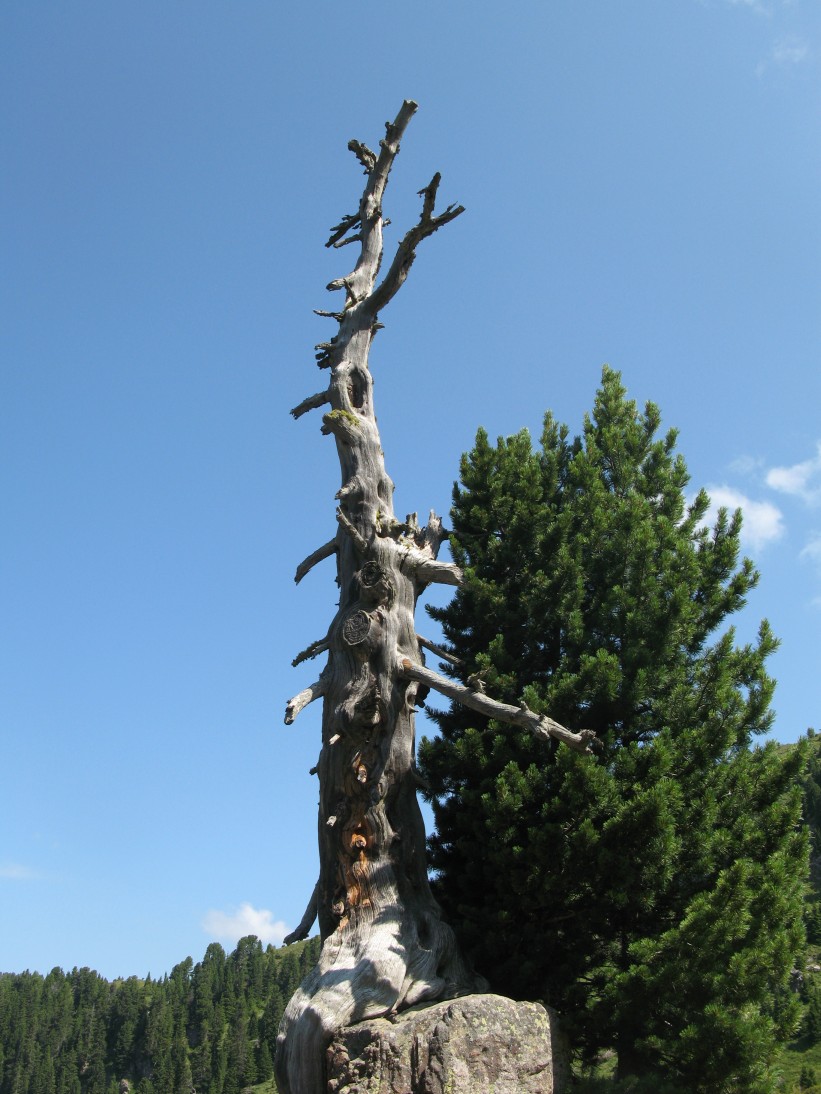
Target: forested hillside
210	1027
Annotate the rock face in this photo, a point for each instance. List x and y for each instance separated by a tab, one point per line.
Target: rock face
479	1044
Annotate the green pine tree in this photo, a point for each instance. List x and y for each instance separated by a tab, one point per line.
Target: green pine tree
651	892
265	1062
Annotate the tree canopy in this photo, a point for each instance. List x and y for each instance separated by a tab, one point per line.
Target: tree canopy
652	891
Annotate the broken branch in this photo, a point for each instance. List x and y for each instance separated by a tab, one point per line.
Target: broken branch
321	553
299	702
307	920
311	403
341	229
365	156
312	651
434	571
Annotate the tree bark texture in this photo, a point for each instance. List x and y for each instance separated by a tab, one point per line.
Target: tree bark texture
385	947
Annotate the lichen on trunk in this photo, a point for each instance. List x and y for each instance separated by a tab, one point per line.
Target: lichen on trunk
384	944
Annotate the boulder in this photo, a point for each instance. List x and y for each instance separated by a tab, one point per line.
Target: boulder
478	1044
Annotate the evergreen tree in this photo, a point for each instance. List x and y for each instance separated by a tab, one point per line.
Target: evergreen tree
265	1062
651	891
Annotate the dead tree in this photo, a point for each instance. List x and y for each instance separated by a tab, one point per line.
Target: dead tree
384	944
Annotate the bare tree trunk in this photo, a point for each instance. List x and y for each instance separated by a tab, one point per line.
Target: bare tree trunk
385	946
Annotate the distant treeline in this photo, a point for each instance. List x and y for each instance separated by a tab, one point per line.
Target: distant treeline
209	1027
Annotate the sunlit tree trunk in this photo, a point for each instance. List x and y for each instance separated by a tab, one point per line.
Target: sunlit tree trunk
385	946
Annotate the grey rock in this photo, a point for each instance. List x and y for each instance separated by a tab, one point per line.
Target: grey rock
478	1044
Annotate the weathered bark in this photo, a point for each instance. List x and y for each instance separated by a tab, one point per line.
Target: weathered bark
385	946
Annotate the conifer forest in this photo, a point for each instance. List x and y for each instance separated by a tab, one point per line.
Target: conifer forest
205	1027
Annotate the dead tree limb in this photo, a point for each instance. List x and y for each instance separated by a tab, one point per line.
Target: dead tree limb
307	921
538	724
300	701
311	403
321	553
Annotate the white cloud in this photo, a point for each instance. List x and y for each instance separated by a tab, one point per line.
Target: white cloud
762	523
235	924
802	480
13	871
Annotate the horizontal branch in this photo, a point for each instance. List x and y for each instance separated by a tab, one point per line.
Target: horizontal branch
433	570
538	724
312	651
306	696
313	402
319	555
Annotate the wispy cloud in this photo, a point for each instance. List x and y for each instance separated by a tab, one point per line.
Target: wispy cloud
788	50
762	523
747	465
801	480
14	871
232	925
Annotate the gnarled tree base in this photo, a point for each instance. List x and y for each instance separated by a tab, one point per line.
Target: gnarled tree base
366	970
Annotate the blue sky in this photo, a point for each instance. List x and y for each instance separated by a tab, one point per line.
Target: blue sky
642	186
